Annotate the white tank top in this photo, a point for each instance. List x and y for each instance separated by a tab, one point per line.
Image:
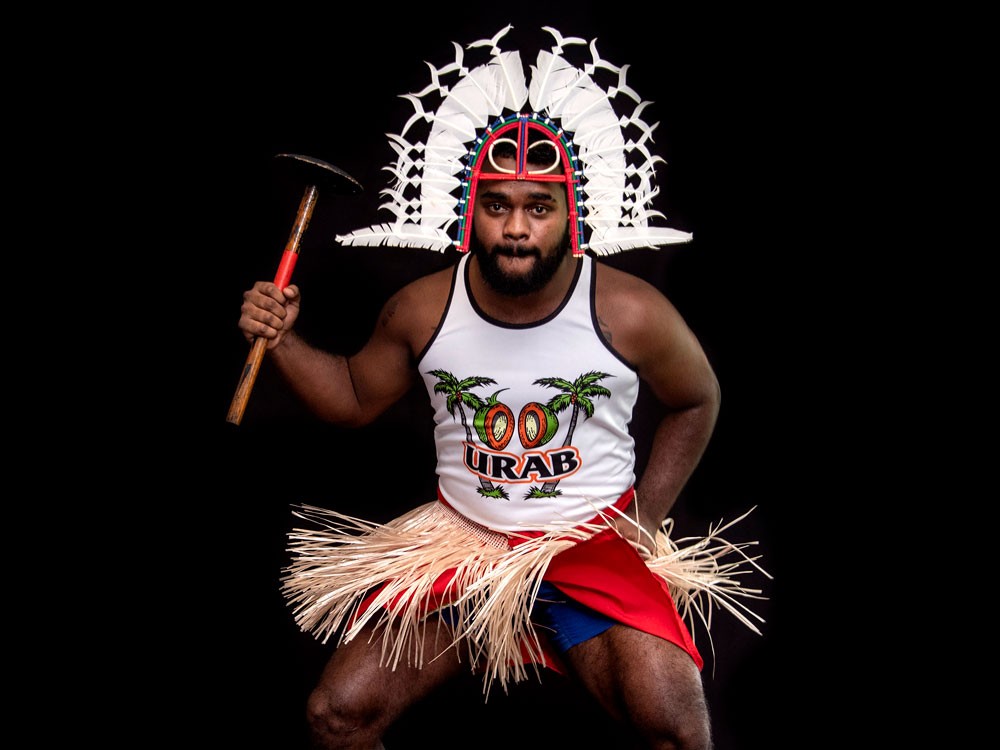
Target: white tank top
531	420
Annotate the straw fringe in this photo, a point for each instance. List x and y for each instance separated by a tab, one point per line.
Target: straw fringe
494	588
698	578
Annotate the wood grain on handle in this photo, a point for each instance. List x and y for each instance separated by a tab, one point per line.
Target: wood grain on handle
247	379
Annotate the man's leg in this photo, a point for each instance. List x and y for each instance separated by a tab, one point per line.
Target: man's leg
356	700
647	683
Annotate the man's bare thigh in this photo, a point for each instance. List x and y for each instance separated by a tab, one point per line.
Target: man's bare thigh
632	673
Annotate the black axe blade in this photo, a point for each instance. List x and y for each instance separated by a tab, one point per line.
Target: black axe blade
309	170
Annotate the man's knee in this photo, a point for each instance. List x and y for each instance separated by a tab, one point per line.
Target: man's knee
341	717
686	732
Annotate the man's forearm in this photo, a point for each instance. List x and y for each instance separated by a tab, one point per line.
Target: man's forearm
678	445
321	379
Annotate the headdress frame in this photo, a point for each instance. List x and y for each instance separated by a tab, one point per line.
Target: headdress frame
605	161
564	169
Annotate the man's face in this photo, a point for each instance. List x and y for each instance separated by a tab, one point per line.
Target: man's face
520	233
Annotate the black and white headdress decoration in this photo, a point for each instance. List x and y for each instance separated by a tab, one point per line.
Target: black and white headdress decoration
602	155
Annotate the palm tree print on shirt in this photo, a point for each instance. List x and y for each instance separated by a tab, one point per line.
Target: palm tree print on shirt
459	396
577	394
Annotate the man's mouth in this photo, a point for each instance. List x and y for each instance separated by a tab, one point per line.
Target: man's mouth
516	252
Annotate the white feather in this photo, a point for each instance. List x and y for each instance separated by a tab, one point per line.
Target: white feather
418	114
398	235
453	117
551	78
492	43
436	73
474	99
636	121
401	211
597	61
438	201
516	88
622	87
640	215
504	80
399	198
562	41
617	239
444	152
401	173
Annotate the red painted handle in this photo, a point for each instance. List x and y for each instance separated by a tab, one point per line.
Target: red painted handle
284	276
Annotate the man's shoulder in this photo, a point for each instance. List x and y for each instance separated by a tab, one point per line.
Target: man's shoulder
614	281
432	282
424	298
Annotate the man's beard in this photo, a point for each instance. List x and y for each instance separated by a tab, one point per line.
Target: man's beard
541	273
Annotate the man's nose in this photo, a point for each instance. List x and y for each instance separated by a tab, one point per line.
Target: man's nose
516	226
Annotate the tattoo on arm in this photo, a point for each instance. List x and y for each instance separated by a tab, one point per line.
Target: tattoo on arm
390	311
605	328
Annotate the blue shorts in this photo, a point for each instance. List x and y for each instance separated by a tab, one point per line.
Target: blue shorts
566	622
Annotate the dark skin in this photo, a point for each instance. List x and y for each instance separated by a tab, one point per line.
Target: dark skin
648	684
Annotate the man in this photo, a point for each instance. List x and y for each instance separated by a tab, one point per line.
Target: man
540	550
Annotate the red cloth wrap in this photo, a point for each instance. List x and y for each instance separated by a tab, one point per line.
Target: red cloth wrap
604	573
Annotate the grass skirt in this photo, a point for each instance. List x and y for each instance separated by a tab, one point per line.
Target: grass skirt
347	572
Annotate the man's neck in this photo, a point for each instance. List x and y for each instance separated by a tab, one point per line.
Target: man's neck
526	308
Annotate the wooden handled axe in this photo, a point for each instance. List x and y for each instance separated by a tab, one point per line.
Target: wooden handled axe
315	174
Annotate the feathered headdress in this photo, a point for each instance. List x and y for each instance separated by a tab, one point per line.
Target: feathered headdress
609	176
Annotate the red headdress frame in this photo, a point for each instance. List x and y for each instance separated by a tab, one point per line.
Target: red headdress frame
518	129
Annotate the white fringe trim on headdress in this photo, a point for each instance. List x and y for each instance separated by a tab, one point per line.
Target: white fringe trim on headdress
494	587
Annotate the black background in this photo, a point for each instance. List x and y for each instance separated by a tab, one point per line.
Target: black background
739	132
